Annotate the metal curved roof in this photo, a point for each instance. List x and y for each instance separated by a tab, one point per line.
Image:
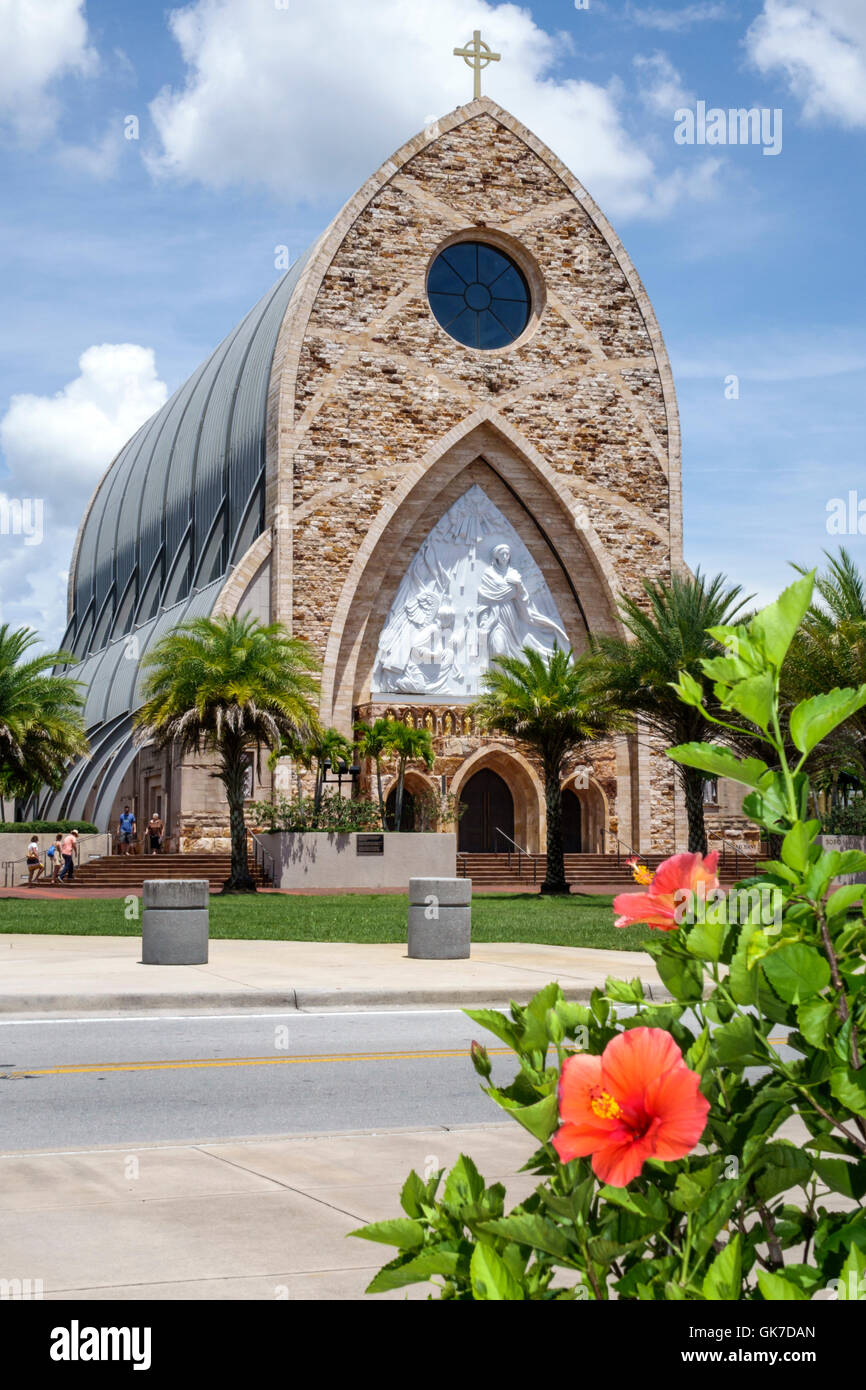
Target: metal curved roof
177	509
184	499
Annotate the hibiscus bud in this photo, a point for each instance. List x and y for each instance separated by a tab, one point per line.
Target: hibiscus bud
480	1059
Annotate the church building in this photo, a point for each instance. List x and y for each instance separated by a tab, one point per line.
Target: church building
449	430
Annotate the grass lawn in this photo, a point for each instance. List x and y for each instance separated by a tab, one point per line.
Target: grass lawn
579	920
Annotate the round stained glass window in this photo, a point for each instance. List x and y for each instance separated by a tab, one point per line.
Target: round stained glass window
478	295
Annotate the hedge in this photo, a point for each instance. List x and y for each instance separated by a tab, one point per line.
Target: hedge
46	827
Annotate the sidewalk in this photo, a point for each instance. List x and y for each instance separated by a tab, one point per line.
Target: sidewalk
85	974
239	1219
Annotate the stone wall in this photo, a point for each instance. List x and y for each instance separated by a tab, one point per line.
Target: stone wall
378	420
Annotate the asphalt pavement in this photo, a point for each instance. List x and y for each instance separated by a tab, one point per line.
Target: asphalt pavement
145	1078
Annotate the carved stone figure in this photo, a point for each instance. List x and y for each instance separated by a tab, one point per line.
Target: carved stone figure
472	593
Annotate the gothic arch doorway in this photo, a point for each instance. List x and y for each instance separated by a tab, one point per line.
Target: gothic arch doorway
489	811
572	840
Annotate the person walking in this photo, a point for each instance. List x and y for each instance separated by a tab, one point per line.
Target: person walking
155	828
55	859
127	830
67	849
34	863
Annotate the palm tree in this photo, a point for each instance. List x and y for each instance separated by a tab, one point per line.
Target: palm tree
326	749
408	745
372	741
669	635
829	652
548	703
231	686
41	729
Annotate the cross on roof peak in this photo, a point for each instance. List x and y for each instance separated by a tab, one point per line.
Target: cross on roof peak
477	56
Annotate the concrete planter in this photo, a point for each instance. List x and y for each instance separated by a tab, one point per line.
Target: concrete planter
320	859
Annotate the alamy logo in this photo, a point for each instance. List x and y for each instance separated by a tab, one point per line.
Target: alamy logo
846	517
741	125
21	1289
77	1343
22	516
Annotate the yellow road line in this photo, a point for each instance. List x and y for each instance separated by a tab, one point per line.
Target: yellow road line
248	1062
196	1063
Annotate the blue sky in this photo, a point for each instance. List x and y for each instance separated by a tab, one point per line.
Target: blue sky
256	121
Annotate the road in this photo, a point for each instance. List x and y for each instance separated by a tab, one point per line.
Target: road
91	1081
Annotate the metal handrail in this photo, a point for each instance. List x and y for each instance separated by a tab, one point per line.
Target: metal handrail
520	853
632	852
257	845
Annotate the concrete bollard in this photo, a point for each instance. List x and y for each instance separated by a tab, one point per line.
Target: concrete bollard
440	918
174	923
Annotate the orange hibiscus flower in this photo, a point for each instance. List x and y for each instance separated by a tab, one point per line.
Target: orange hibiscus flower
638	1100
659	907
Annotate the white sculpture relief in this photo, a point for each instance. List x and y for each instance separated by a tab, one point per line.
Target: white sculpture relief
472	593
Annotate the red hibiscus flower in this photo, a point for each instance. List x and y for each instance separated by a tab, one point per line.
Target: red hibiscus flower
638	1100
658	908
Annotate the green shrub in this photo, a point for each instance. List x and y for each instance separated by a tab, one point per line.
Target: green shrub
846	820
634	1200
47	827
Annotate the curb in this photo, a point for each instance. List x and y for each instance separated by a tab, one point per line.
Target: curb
313	998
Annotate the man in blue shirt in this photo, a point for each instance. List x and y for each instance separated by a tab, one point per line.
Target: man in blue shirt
127	830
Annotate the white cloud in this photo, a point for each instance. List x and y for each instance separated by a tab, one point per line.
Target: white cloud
660	86
42	42
56	449
820	46
310	102
674	21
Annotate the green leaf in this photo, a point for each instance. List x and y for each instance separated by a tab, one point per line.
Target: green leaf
753	698
684	978
624	991
775	625
784	1167
413	1194
777	1289
527	1228
719	762
402	1232
812	1020
796	972
416	1271
690	691
736	1041
722	1279
706	940
843	898
492	1280
540	1119
796	846
812	720
495	1023
464	1184
839	1176
849	1087
852	1277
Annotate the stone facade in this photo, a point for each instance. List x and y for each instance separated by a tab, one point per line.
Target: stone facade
378	420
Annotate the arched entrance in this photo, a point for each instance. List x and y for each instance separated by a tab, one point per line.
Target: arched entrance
489	809
407	816
572	841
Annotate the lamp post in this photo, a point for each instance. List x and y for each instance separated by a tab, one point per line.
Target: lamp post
343	770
